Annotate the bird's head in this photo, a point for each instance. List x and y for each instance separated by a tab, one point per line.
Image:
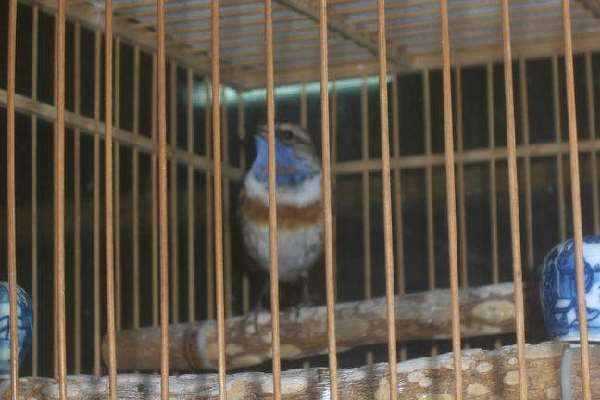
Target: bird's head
295	155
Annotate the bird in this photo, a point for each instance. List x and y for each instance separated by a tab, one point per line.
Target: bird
24	324
299	206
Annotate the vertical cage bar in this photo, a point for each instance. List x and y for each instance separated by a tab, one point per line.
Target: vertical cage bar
399	218
429	180
96	206
591	111
560	182
59	198
218	215
226	214
242	136
451	196
525	128
11	197
154	161
273	253
576	201
35	349
77	334
334	131
210	268
108	185
174	206
327	200
513	184
366	198
190	200
162	199
460	180
492	172
135	182
116	190
388	229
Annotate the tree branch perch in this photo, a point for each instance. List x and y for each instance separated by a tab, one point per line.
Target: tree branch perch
486	310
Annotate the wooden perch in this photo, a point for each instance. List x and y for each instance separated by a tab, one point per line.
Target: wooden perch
486	375
486	310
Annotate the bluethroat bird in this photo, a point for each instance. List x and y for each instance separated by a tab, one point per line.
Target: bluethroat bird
299	211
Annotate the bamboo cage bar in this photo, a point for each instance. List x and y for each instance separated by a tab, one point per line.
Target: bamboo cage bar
242	139
388	231
492	171
163	218
218	191
524	110
514	197
111	307
174	233
59	200
154	162
11	219
451	197
366	200
460	181
115	197
191	215
398	220
35	345
96	206
135	198
77	332
273	250
228	267
576	202
327	199
560	182
334	136
486	310
210	261
591	110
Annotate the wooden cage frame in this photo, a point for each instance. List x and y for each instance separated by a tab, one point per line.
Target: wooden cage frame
379	42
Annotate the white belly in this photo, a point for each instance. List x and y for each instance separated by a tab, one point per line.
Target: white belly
298	249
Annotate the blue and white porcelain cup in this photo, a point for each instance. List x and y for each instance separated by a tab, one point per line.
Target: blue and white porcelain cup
25	320
559	290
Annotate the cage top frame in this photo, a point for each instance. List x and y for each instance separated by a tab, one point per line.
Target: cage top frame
413	33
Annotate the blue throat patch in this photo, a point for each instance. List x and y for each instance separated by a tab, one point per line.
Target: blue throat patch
292	169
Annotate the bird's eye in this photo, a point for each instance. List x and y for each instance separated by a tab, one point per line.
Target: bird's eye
287	135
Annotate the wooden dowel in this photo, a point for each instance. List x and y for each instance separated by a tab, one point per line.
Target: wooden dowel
154	162
513	185
77	333
460	181
59	198
576	202
327	198
11	220
366	199
451	197
273	249
173	195
116	190
486	310
527	161
163	209
191	216
215	51
96	206
111	307
34	193
560	185
135	226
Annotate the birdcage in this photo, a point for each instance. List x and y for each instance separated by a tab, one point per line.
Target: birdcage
457	144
